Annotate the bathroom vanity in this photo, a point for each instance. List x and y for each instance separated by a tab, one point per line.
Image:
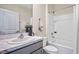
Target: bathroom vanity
33	45
10	31
34	48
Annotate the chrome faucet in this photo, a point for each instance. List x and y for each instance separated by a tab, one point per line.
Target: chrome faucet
21	36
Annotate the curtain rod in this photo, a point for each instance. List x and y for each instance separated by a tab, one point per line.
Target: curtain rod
52	11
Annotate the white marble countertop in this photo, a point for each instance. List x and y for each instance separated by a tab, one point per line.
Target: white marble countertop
5	46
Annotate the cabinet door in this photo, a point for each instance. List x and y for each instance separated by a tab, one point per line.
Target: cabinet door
40	51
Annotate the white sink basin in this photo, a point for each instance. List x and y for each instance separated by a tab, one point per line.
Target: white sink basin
18	40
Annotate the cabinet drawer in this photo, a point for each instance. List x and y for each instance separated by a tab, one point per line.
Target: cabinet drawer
28	49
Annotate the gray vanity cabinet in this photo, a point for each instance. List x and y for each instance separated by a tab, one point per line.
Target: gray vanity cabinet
35	48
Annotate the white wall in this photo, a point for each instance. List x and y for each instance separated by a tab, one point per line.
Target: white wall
39	11
76	23
63	24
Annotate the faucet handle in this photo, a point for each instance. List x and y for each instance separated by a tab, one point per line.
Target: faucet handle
51	33
55	32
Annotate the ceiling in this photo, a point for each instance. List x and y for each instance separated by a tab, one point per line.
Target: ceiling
27	5
51	7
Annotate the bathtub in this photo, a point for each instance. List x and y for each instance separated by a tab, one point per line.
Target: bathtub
62	49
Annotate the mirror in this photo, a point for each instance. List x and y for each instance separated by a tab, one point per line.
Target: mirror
14	18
